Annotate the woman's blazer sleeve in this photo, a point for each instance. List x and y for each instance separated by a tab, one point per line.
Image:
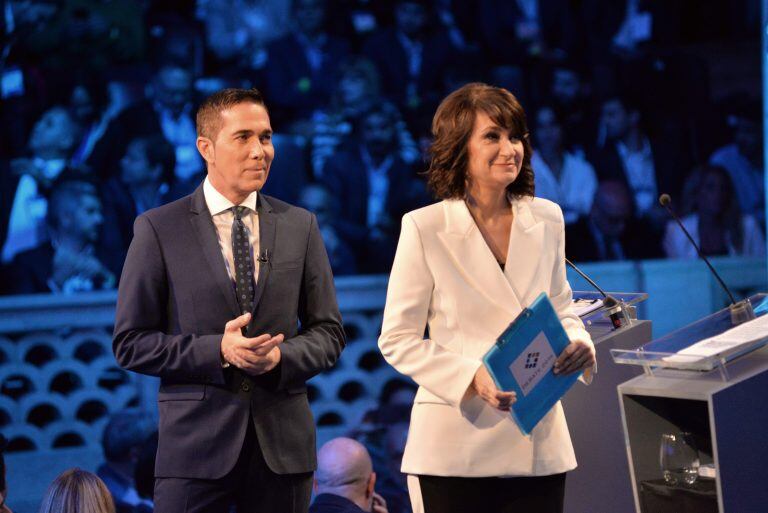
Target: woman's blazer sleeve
445	374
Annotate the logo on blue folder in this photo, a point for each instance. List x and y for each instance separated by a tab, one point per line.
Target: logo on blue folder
532	360
533	363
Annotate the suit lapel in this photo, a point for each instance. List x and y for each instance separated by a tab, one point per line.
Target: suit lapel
526	243
267	229
209	242
473	258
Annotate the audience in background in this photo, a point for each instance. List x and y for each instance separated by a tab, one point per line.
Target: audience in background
3	483
610	232
51	144
375	186
715	221
345	480
318	200
69	260
743	159
77	491
560	175
144	474
122	441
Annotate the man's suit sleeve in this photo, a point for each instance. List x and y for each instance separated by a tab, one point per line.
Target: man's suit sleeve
321	339
140	342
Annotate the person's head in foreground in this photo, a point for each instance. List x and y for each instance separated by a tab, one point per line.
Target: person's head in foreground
77	491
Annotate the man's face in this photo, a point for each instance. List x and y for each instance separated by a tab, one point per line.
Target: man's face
240	156
86	219
548	134
410	17
54	130
615	119
612	210
135	167
309	15
173	89
378	133
565	86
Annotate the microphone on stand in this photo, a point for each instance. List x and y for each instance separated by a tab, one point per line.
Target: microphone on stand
611	304
741	311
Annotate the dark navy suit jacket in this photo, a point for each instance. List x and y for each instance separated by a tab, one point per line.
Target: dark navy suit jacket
174	299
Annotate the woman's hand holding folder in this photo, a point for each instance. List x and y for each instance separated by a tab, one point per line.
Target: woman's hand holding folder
485	387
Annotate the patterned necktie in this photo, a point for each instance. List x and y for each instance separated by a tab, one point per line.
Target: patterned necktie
241	251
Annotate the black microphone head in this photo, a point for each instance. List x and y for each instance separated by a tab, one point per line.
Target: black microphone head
610	302
665	199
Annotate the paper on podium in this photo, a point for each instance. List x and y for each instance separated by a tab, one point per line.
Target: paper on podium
729	344
521	361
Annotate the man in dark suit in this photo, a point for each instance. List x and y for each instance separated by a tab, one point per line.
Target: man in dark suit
345	480
228	297
610	232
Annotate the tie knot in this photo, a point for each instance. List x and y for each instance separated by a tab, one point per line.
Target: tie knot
239	212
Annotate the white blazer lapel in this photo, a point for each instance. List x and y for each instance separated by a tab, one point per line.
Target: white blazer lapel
526	245
473	258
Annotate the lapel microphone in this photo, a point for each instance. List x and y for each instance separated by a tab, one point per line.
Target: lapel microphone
610	303
741	311
264	256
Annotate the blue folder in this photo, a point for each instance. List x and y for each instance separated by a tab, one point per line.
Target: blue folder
521	361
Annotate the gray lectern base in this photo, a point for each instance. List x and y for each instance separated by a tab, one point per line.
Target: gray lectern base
728	420
601	482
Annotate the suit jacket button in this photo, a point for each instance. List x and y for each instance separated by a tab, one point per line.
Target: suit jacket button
245	387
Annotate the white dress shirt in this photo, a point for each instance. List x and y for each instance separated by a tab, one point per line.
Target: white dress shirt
223	217
575	189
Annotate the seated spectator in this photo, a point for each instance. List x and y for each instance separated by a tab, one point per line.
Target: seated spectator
344	480
51	143
356	92
743	159
302	65
146	170
317	199
411	56
3	484
77	491
716	223
88	104
69	261
168	111
561	176
375	188
122	441
648	167
610	232
571	97
144	474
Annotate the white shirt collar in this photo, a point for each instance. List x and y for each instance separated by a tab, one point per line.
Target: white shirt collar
217	203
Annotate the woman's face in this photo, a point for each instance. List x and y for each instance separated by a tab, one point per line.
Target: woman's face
495	154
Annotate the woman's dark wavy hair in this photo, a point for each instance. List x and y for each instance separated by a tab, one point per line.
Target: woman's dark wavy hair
452	127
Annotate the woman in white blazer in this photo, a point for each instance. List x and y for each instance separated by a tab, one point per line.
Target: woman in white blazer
464	268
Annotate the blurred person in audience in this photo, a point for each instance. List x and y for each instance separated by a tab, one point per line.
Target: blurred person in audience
51	143
146	170
560	175
70	260
168	110
411	56
570	94
716	222
237	32
122	441
376	188
302	66
648	167
743	159
77	491
318	200
345	480
356	92
88	102
393	483
3	483
610	231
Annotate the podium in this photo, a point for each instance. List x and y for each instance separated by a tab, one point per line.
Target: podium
724	405
601	482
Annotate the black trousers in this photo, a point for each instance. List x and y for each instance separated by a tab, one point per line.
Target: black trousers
537	494
250	487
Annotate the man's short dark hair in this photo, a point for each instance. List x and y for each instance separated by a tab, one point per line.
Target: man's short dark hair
209	114
126	430
67	193
159	151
